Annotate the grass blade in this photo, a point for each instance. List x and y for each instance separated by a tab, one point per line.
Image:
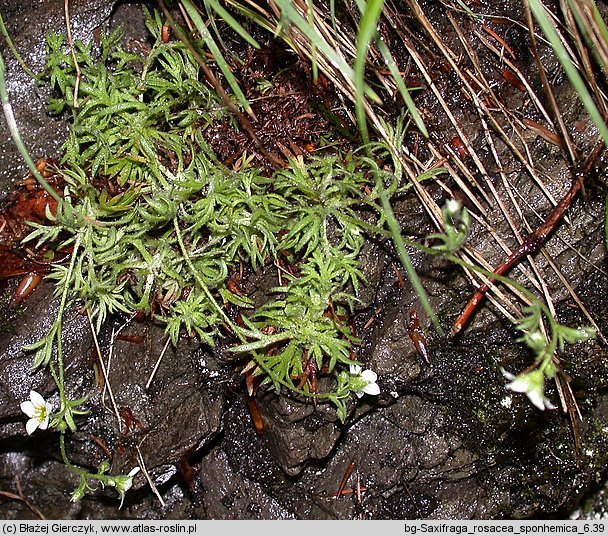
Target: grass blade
542	18
403	90
395	230
365	33
216	53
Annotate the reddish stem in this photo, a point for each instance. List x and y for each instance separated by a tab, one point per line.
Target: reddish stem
534	240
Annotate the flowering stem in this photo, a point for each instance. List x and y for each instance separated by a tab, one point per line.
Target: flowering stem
62	305
70	465
16	135
80	472
65	458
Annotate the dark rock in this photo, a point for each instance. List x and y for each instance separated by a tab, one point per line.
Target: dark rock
444	440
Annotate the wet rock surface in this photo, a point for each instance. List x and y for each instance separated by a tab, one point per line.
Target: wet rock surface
444	440
27	24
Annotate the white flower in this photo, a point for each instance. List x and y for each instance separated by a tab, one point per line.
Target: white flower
38	410
370	386
532	384
452	208
123	483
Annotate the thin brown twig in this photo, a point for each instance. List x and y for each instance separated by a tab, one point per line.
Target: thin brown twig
104	371
19	497
571	407
345	477
564	131
160	357
72	50
142	466
535	239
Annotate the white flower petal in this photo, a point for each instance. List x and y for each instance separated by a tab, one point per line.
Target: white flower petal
507	374
31	425
532	384
369	375
536	399
548	405
37	399
28	408
372	389
519	386
38	410
134	471
452	207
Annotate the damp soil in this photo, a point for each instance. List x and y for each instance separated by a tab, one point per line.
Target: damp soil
443	440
